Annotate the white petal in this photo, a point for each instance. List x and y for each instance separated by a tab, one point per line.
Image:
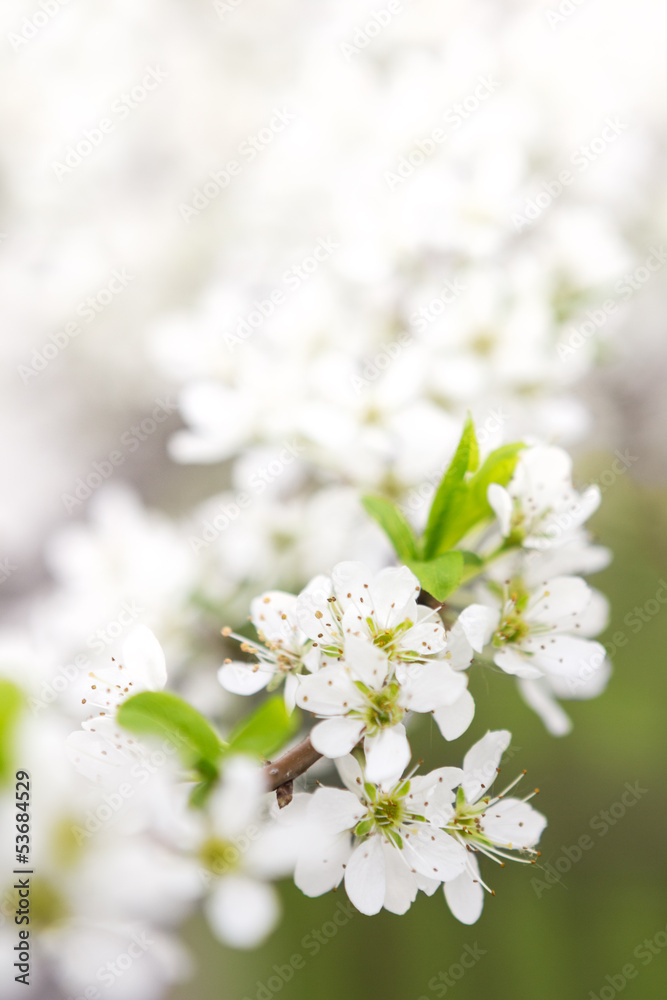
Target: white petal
453	720
514	661
558	600
387	755
513	823
241	911
501	503
274	616
465	896
291	687
351	774
365	880
321	864
335	809
595	618
431	795
93	756
393	593
243	678
481	762
538	695
433	853
143	658
336	737
329	691
237	800
478	623
429	685
366	662
401	884
352	581
566	655
314	612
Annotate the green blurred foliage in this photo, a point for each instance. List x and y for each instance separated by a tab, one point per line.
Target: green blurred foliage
548	941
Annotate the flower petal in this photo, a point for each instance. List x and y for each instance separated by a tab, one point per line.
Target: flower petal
401	884
274	616
537	693
329	691
335	809
429	685
464	894
143	658
481	762
433	853
387	755
241	911
365	876
336	737
478	623
239	677
513	823
394	591
321	864
501	503
453	720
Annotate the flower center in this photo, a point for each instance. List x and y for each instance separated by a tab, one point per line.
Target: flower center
382	708
220	856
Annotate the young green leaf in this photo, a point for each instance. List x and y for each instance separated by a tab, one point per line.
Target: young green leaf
469	504
161	713
265	731
440	576
394	524
11	706
466	459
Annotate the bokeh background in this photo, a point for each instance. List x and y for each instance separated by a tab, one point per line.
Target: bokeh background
183	86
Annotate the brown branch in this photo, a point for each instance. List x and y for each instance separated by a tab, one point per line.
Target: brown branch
293	763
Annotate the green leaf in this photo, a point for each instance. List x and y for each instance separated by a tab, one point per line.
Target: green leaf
466	459
469	504
161	713
11	706
265	731
394	524
440	576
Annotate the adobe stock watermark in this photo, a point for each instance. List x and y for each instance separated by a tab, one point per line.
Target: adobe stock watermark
121	108
97	642
581	158
312	944
625	288
108	974
445	980
364	34
218	180
130	441
566	8
229	510
32	24
551	872
88	310
645	952
452	119
291	280
424	493
373	367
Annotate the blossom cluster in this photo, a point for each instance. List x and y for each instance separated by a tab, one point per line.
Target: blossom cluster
373	244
